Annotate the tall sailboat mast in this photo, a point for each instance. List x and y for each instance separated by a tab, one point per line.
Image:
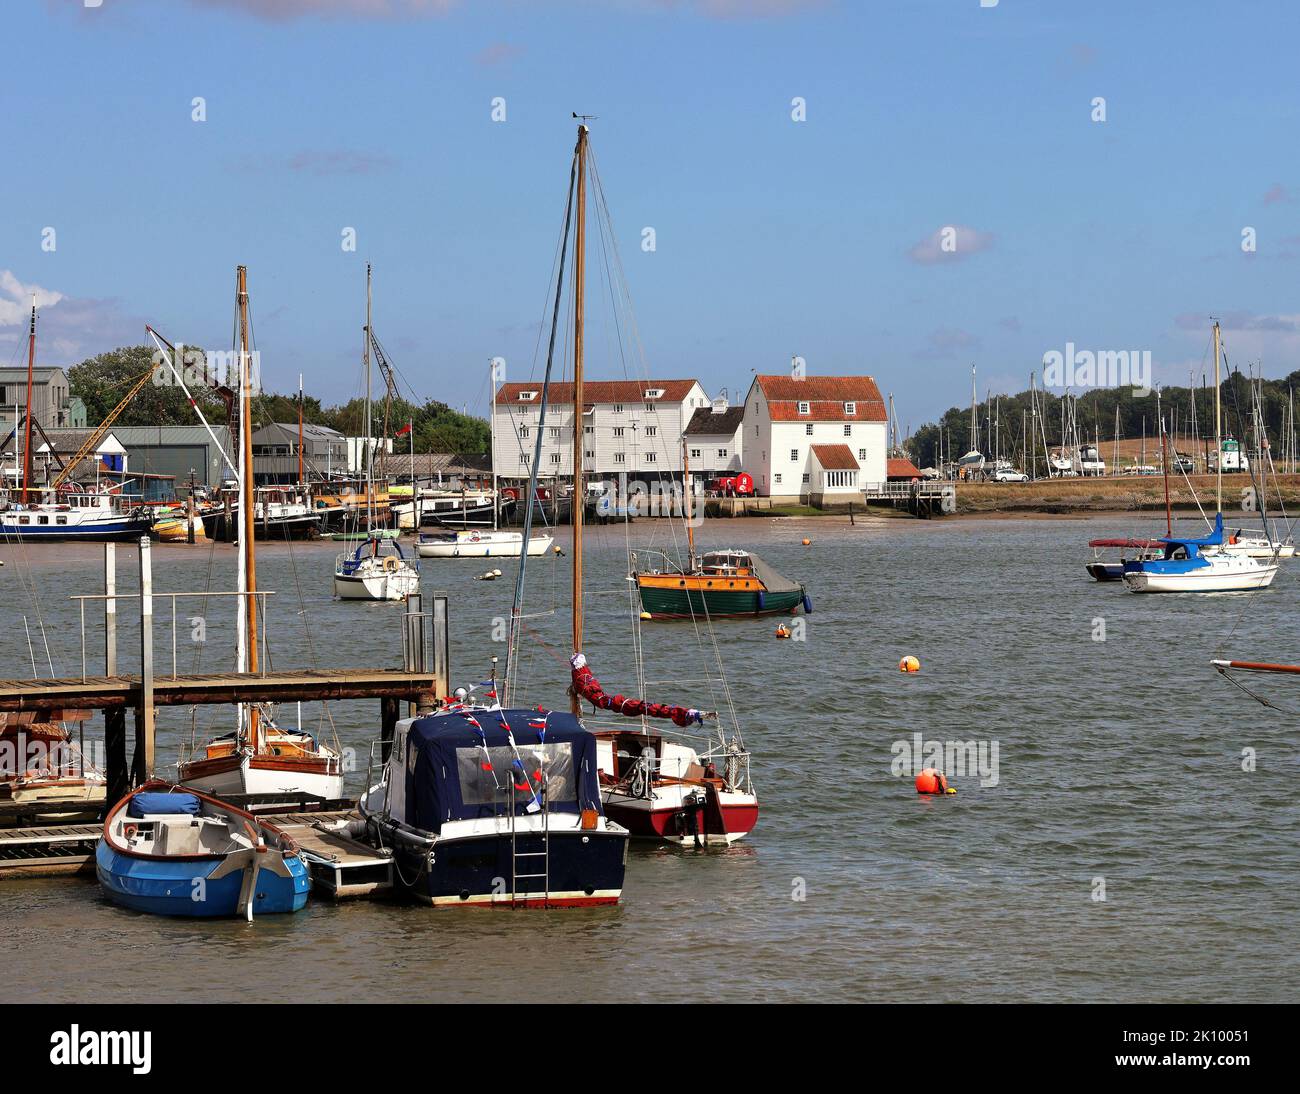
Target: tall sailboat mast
31	369
1218	425
579	488
370	449
246	534
301	480
492	446
974	437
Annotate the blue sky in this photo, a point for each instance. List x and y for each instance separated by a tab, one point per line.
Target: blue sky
774	237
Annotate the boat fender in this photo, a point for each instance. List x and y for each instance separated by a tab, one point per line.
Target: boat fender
807	604
761	599
931	781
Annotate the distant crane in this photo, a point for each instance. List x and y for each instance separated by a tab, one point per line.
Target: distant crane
97	434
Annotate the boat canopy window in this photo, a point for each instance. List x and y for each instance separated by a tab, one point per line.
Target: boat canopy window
479	786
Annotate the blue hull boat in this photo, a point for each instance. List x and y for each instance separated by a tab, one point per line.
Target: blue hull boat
169	850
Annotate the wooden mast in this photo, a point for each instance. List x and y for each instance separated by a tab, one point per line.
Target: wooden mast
246	532
370	448
579	488
27	443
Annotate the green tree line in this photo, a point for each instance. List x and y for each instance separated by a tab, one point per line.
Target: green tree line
101	382
1095	416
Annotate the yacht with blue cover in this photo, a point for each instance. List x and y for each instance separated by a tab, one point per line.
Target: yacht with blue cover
1198	566
501	808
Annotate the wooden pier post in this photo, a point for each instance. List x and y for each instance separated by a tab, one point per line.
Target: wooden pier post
115	756
144	719
390	710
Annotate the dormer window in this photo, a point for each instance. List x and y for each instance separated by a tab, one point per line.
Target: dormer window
805	408
850	408
528	396
654	393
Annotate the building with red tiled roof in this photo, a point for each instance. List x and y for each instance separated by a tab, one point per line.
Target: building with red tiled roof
902	470
815	437
631	428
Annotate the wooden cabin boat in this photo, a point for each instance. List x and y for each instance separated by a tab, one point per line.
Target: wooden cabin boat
43	771
656	783
485	807
723	584
170	850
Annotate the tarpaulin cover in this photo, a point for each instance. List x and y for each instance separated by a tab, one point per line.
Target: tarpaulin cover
153	803
457	761
586	685
772	581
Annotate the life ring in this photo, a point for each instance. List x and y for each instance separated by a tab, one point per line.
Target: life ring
392	564
129	831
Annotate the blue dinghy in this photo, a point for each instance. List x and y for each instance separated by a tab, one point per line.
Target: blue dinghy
170	850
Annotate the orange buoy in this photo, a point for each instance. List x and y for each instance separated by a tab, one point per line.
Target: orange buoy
806	541
931	781
909	664
783	631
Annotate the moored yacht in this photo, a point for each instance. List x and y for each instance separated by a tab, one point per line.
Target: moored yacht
377	569
485	807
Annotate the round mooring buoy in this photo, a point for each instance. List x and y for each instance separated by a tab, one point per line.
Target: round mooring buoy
806	541
931	781
782	631
646	615
909	664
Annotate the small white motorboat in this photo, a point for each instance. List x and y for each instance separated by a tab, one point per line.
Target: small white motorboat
476	544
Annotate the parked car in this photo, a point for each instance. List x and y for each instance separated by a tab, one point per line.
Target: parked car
1003	474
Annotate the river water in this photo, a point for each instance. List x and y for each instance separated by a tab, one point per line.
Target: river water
1117	850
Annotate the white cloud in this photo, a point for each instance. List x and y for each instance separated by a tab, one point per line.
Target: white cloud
950	243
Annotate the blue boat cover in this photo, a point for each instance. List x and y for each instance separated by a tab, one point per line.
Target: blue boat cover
1212	539
460	765
154	802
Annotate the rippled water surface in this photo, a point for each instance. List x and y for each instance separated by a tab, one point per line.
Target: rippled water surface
1120	763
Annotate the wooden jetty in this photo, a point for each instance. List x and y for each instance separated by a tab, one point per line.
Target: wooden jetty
340	866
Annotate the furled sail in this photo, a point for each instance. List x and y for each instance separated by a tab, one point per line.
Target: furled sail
586	685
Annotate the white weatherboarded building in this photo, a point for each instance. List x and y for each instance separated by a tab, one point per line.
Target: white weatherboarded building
630	427
817	439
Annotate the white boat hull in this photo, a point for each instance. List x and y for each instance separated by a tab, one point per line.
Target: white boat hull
1260	549
377	585
1232	574
484	545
